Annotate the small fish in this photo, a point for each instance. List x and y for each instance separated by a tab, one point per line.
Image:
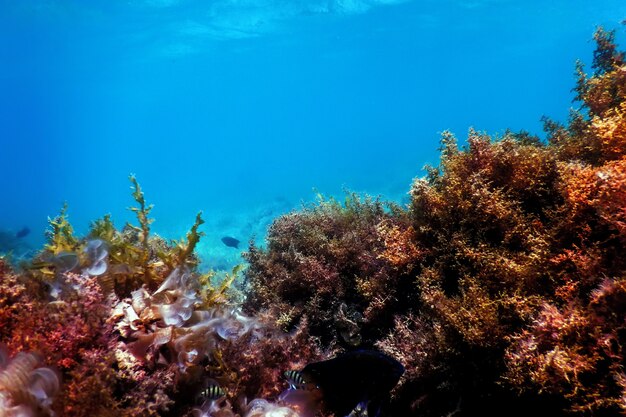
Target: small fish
294	379
231	242
23	232
213	392
61	262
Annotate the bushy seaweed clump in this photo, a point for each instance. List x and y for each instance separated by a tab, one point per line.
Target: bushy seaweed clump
327	264
119	323
574	348
501	287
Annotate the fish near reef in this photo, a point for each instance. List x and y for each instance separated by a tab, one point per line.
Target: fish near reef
23	232
231	242
354	383
213	392
209	400
294	379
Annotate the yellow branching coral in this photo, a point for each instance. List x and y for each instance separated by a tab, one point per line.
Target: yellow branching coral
61	234
213	296
144	221
104	229
181	252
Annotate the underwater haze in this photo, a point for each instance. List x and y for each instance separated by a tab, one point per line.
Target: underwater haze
246	108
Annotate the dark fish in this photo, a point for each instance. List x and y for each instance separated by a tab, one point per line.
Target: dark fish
213	392
23	232
354	380
231	242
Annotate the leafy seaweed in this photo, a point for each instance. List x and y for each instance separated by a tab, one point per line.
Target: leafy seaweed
61	234
180	252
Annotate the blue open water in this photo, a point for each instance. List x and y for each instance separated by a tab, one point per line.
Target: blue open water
241	108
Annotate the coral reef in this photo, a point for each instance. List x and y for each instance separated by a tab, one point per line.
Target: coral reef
132	329
501	289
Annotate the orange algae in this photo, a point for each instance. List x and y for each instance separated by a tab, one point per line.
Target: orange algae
490	288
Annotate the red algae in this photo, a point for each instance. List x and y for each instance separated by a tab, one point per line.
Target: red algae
138	335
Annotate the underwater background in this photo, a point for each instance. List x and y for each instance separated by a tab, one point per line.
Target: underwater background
245	109
298	261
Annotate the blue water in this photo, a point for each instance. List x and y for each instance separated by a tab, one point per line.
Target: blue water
241	108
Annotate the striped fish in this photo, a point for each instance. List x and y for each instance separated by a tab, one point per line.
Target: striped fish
213	392
294	379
